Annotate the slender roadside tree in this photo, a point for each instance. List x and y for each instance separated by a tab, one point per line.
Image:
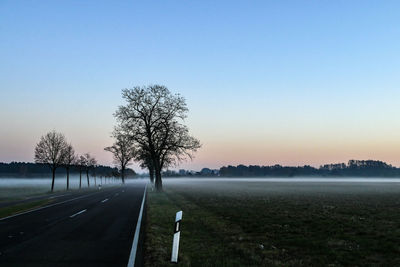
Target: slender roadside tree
50	150
90	164
94	174
123	151
69	159
93	165
87	159
153	119
81	163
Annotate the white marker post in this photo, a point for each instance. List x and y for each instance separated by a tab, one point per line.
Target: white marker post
177	235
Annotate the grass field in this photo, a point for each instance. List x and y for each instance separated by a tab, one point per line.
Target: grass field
19	194
276	224
14	209
22	188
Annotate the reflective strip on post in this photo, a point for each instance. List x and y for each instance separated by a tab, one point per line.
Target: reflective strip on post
177	235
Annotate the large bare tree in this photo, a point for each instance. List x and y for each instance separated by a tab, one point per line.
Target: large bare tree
50	150
69	159
153	119
146	163
123	151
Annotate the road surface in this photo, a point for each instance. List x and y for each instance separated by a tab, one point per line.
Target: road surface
92	228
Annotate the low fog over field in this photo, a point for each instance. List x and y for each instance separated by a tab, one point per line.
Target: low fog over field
277	186
278	221
17	187
20	187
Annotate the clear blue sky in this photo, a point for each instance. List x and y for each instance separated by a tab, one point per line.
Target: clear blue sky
290	82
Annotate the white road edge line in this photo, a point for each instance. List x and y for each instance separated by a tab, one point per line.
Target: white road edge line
105	200
73	215
48	206
132	256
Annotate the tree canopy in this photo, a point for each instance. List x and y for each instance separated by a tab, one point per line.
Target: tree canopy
153	119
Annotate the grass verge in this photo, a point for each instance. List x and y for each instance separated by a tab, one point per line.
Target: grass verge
14	209
221	229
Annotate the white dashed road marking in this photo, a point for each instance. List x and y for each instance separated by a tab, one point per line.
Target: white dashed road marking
73	215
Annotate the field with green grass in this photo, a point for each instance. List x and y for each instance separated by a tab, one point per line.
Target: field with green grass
229	223
22	194
22	188
14	209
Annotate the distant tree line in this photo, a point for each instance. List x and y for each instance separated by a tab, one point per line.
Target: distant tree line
357	168
34	170
276	171
205	172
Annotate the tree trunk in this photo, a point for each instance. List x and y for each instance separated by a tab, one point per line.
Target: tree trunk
80	179
54	176
67	178
87	176
157	168
123	175
95	184
151	173
158	180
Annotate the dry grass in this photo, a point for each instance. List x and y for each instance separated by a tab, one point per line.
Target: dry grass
243	229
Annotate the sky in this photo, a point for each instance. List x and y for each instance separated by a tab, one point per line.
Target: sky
266	82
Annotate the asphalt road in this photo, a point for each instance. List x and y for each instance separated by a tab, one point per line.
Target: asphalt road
93	228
